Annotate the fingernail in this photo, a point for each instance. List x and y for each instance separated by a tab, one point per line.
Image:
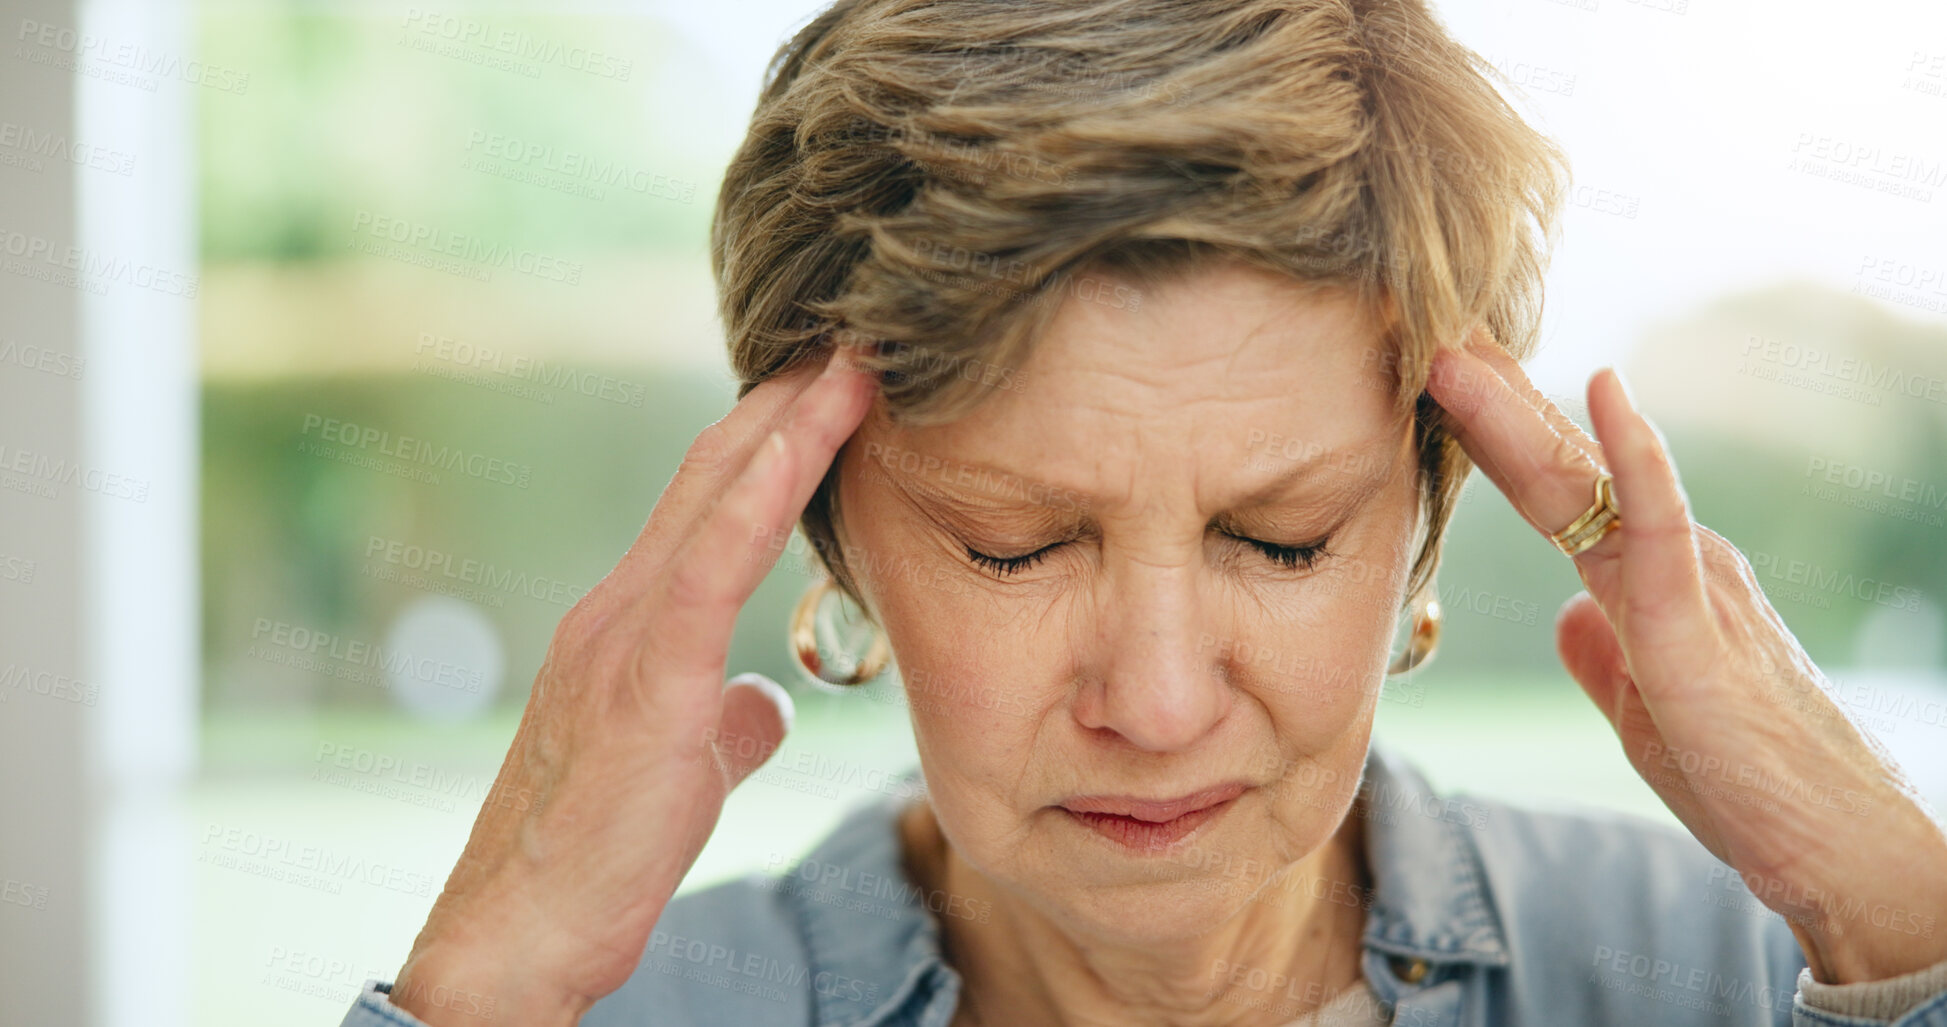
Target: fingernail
770	453
835	362
1623	384
787	710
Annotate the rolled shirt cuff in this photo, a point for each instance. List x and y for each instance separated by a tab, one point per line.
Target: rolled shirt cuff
1887	1000
374	1008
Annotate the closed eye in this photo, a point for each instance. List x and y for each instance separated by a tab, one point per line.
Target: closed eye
1290	557
1286	556
1005	565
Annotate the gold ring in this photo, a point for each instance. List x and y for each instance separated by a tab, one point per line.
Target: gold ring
1598	520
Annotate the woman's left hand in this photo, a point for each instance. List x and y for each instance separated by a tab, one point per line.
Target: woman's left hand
1716	704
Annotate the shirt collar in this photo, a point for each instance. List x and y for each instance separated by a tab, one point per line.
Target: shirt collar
1431	899
875	946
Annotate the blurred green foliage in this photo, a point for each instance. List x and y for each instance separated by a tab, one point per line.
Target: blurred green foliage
286	532
342	115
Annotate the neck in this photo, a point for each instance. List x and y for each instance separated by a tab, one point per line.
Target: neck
1289	951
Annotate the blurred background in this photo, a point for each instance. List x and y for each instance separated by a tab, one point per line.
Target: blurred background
344	345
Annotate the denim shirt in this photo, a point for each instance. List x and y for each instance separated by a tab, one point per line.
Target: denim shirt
1479	913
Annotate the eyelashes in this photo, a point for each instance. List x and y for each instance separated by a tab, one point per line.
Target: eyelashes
1288	557
1006	565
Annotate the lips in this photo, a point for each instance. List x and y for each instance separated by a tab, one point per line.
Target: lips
1144	824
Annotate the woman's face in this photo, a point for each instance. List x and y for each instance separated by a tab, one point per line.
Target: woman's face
1194	517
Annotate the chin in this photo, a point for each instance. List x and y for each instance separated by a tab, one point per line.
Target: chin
1163	894
1155	914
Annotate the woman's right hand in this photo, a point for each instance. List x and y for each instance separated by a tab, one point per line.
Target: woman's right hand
630	741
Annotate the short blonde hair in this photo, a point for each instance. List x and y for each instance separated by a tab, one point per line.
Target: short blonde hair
927	174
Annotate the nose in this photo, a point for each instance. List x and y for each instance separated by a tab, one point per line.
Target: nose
1152	680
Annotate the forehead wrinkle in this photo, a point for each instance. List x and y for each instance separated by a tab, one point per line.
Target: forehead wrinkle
960	507
1321	480
1329	479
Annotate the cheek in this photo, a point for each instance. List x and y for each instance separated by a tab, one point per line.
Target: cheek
1317	662
973	705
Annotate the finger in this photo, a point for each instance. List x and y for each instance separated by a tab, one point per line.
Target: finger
1663	604
719	452
1587	645
689	619
1509	369
757	713
1548	480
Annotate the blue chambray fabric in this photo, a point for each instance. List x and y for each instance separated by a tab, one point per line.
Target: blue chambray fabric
1520	916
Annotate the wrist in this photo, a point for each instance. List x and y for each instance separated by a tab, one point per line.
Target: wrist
475	963
449	988
1874	937
1872	954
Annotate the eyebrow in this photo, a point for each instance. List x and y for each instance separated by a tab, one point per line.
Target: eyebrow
1352	485
969	483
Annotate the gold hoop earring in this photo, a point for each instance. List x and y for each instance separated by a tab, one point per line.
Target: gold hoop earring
1425	639
804	641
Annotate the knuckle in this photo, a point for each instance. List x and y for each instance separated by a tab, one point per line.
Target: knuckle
1719	552
1565	453
710	451
581	627
1664	528
688	586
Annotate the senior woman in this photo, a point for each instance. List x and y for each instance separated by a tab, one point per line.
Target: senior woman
1123	359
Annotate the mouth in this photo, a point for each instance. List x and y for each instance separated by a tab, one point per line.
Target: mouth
1150	825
